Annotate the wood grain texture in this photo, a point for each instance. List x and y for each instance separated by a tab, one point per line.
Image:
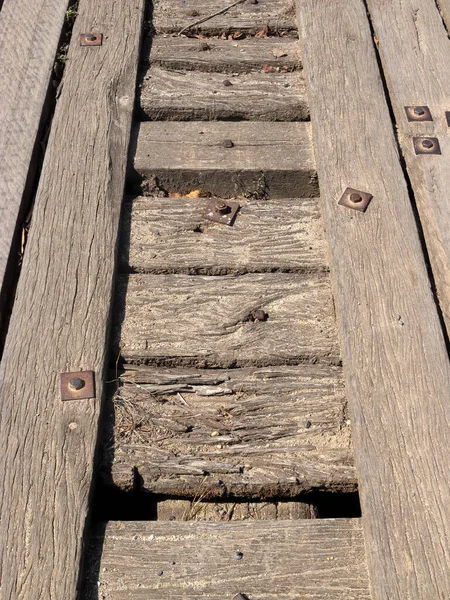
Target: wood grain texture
25	69
222	56
188	156
196	510
311	560
262	433
171	235
395	360
206	321
60	317
278	15
414	48
190	96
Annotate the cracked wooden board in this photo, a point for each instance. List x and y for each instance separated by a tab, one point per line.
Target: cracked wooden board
171	235
307	559
61	312
394	354
193	96
207	321
273	432
278	15
222	56
276	159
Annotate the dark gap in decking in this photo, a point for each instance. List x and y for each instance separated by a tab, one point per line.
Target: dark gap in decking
114	504
224	270
24	220
410	188
441	14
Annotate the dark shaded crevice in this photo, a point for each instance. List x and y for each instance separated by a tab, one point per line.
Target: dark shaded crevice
410	188
441	14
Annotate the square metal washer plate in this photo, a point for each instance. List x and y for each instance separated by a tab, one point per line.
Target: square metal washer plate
86	392
84	41
213	211
419	148
349	203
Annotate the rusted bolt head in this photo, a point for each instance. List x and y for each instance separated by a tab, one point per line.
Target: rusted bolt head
222	208
76	383
228	144
355	197
418	110
91	37
227	83
427	144
259	315
239	555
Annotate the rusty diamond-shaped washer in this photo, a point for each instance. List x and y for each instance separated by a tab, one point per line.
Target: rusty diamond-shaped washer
221	211
426	145
91	39
79	385
355	199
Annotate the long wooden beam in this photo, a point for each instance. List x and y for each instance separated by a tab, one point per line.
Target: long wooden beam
395	360
61	314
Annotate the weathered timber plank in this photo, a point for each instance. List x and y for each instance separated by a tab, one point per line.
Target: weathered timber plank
269	433
190	95
206	321
416	62
311	560
276	157
29	35
222	56
278	15
394	355
171	235
196	510
60	317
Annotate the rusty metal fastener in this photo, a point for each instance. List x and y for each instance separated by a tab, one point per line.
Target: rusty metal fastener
259	315
91	39
240	597
418	113
220	211
355	199
228	144
426	145
78	386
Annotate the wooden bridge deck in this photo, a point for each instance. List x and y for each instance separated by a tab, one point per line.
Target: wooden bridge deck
250	377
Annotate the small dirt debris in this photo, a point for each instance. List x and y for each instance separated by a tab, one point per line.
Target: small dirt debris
227	83
239	555
259	315
228	144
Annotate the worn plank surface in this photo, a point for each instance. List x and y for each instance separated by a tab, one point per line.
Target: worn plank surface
60	317
395	359
278	15
269	433
311	560
222	56
190	96
25	69
414	48
277	158
171	235
197	510
206	321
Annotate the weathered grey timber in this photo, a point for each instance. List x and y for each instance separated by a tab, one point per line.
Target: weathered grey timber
278	15
417	64
395	360
208	321
311	560
277	158
222	56
171	235
269	433
190	95
197	510
60	317
29	35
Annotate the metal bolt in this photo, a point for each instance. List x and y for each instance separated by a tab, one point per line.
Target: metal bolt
228	144
419	111
239	555
227	83
308	424
355	197
222	208
240	597
77	383
427	144
91	37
